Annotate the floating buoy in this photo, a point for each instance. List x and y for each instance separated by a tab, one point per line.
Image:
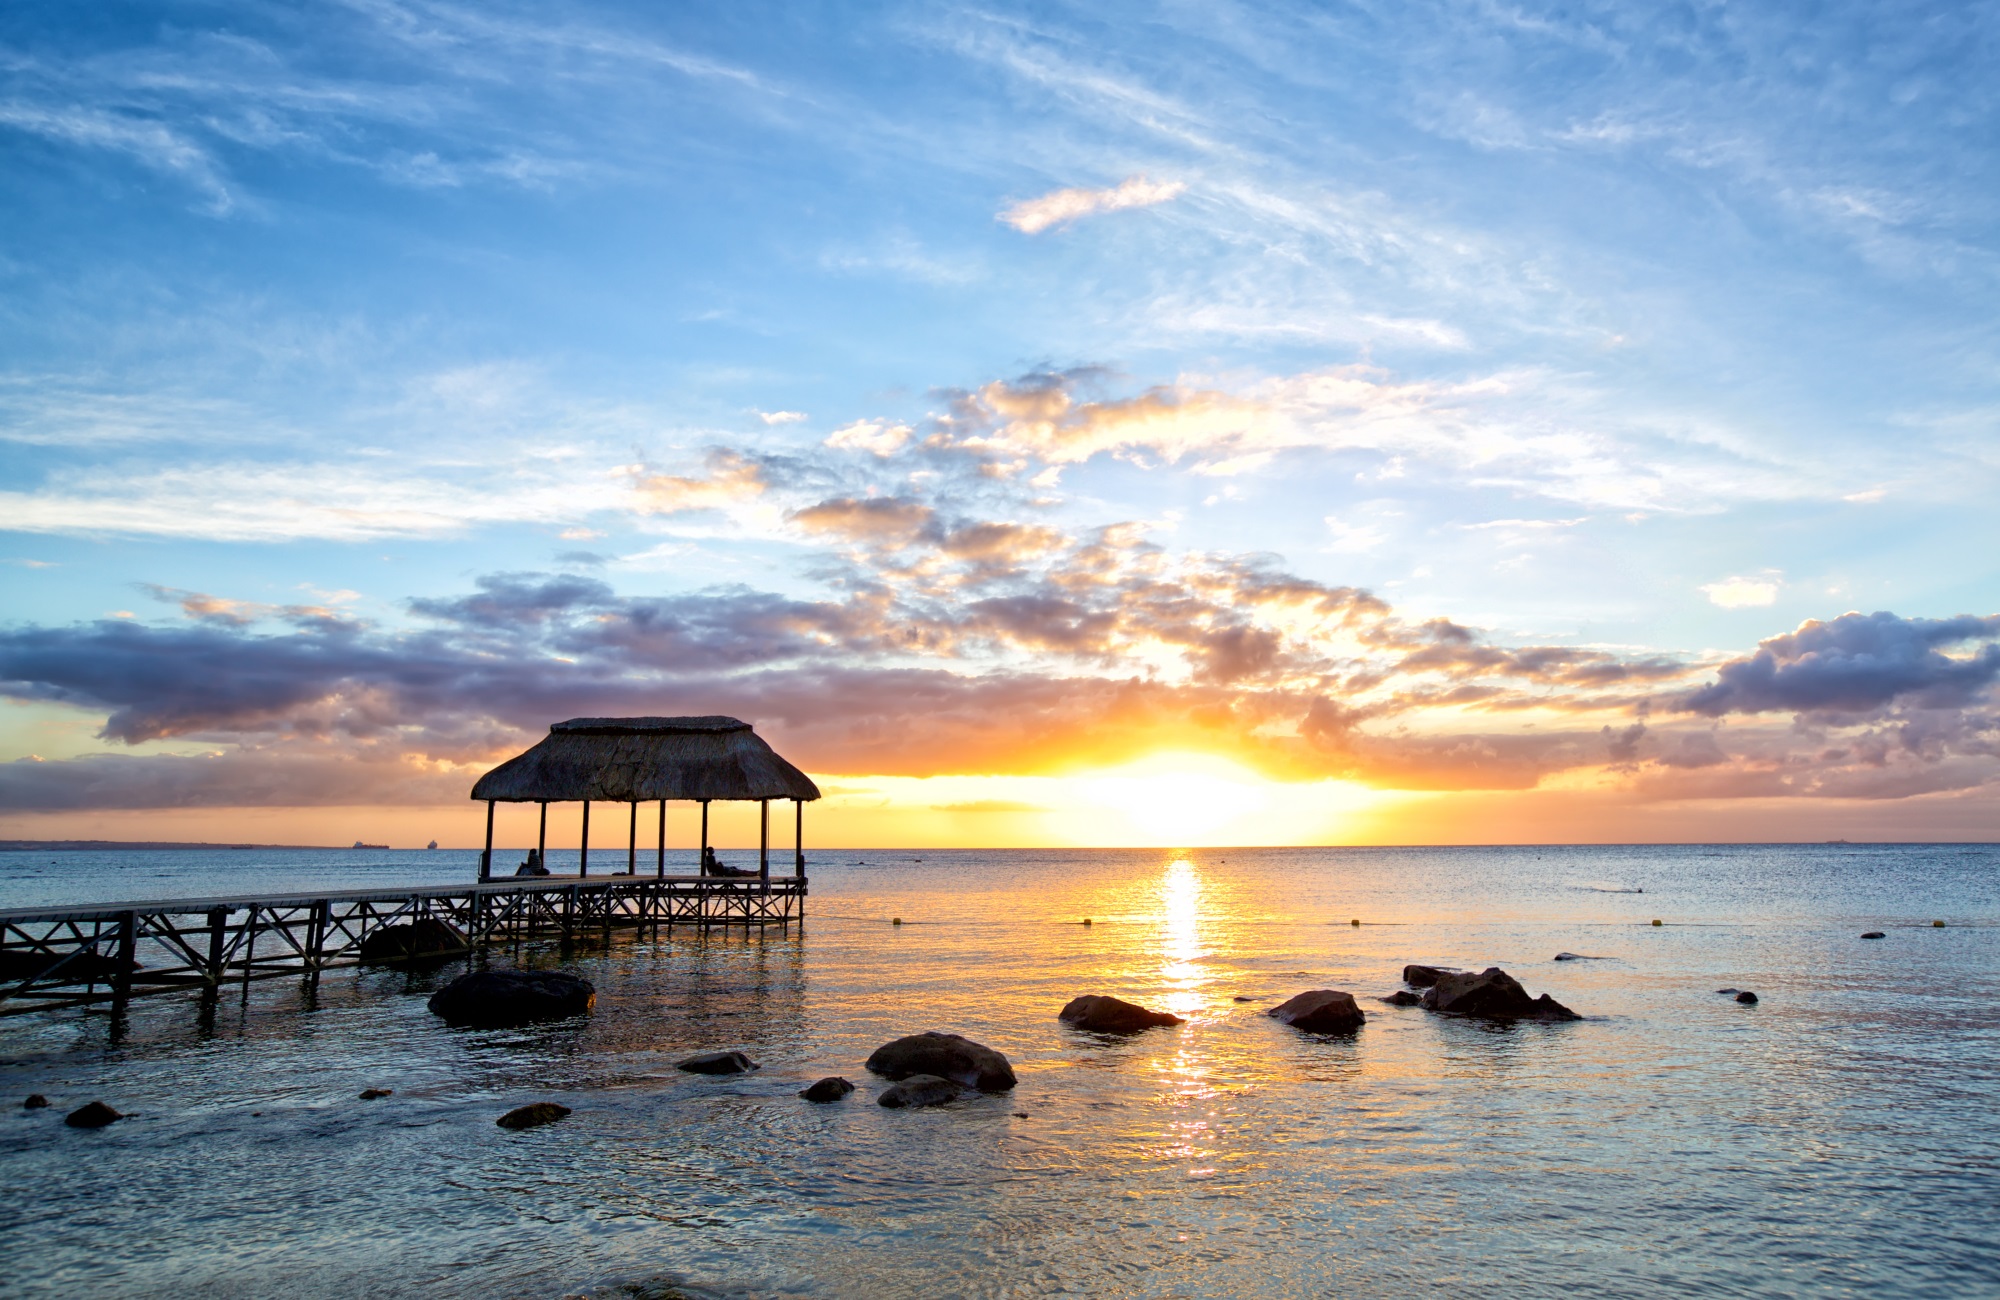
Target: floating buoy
1086	920
1355	921
1939	925
895	920
1656	920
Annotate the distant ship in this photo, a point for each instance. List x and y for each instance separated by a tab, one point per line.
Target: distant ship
433	844
359	845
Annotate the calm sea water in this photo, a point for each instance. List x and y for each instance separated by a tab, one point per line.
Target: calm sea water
1839	1138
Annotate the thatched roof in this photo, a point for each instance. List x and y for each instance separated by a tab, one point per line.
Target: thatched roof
640	759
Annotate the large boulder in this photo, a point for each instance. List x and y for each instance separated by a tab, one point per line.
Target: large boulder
831	1088
1422	977
948	1056
1492	994
422	938
1320	1011
495	999
718	1063
1108	1015
919	1090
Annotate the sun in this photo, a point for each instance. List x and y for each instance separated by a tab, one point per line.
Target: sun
1176	799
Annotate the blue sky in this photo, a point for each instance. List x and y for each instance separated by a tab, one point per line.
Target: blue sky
1637	332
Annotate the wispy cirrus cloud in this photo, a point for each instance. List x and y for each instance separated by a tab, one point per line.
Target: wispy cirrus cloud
1060	207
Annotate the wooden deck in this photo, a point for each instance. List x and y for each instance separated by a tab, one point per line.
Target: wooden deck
66	956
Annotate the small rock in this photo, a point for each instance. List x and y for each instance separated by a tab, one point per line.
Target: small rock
1874	934
1577	956
421	939
1731	992
532	1115
831	1088
718	1063
1320	1011
1020	1114
1747	998
919	1090
948	1056
1492	994
94	1115
500	999
1422	977
1401	998
35	1101
1241	997
371	1094
1108	1015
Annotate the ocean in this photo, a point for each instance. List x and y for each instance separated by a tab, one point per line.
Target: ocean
1837	1138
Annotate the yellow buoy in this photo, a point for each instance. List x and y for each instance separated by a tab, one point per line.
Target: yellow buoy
1937	925
1355	921
1086	920
1656	920
895	920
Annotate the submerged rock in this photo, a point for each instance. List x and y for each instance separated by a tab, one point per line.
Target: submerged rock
533	1115
1320	1011
35	1101
496	999
919	1090
1492	994
1747	998
949	1056
1401	998
718	1063
422	938
831	1088
374	1094
1578	956
92	1115
1874	934
1422	977
1731	991
1108	1015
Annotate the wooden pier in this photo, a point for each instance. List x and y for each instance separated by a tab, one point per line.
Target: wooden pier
67	956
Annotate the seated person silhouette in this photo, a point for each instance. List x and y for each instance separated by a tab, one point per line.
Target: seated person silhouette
709	865
533	866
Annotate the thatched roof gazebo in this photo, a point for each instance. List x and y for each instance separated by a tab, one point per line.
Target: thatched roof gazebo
643	760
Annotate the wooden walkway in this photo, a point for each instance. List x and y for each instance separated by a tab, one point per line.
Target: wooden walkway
66	956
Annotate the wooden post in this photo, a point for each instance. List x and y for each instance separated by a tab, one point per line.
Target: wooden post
216	918
799	838
661	870
249	950
632	843
583	858
542	838
764	841
703	868
486	858
128	951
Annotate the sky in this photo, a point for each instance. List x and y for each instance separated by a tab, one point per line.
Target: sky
1048	424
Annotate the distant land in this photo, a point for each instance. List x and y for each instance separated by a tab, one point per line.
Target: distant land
104	846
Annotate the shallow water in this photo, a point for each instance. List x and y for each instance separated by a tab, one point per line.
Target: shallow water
1835	1139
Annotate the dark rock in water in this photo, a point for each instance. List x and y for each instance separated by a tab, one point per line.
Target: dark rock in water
718	1063
919	1090
1320	1011
1107	1015
1241	997
94	1115
831	1088
948	1056
1401	998
424	937
1874	934
1578	956
1731	992
533	1115
1494	995
1422	977
373	1094
35	1101
1747	998
496	999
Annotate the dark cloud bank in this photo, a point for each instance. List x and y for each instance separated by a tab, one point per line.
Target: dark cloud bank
967	647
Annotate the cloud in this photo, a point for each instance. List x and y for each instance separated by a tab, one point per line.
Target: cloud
989	806
880	437
731	479
1059	207
152	143
781	417
1857	663
1743	593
